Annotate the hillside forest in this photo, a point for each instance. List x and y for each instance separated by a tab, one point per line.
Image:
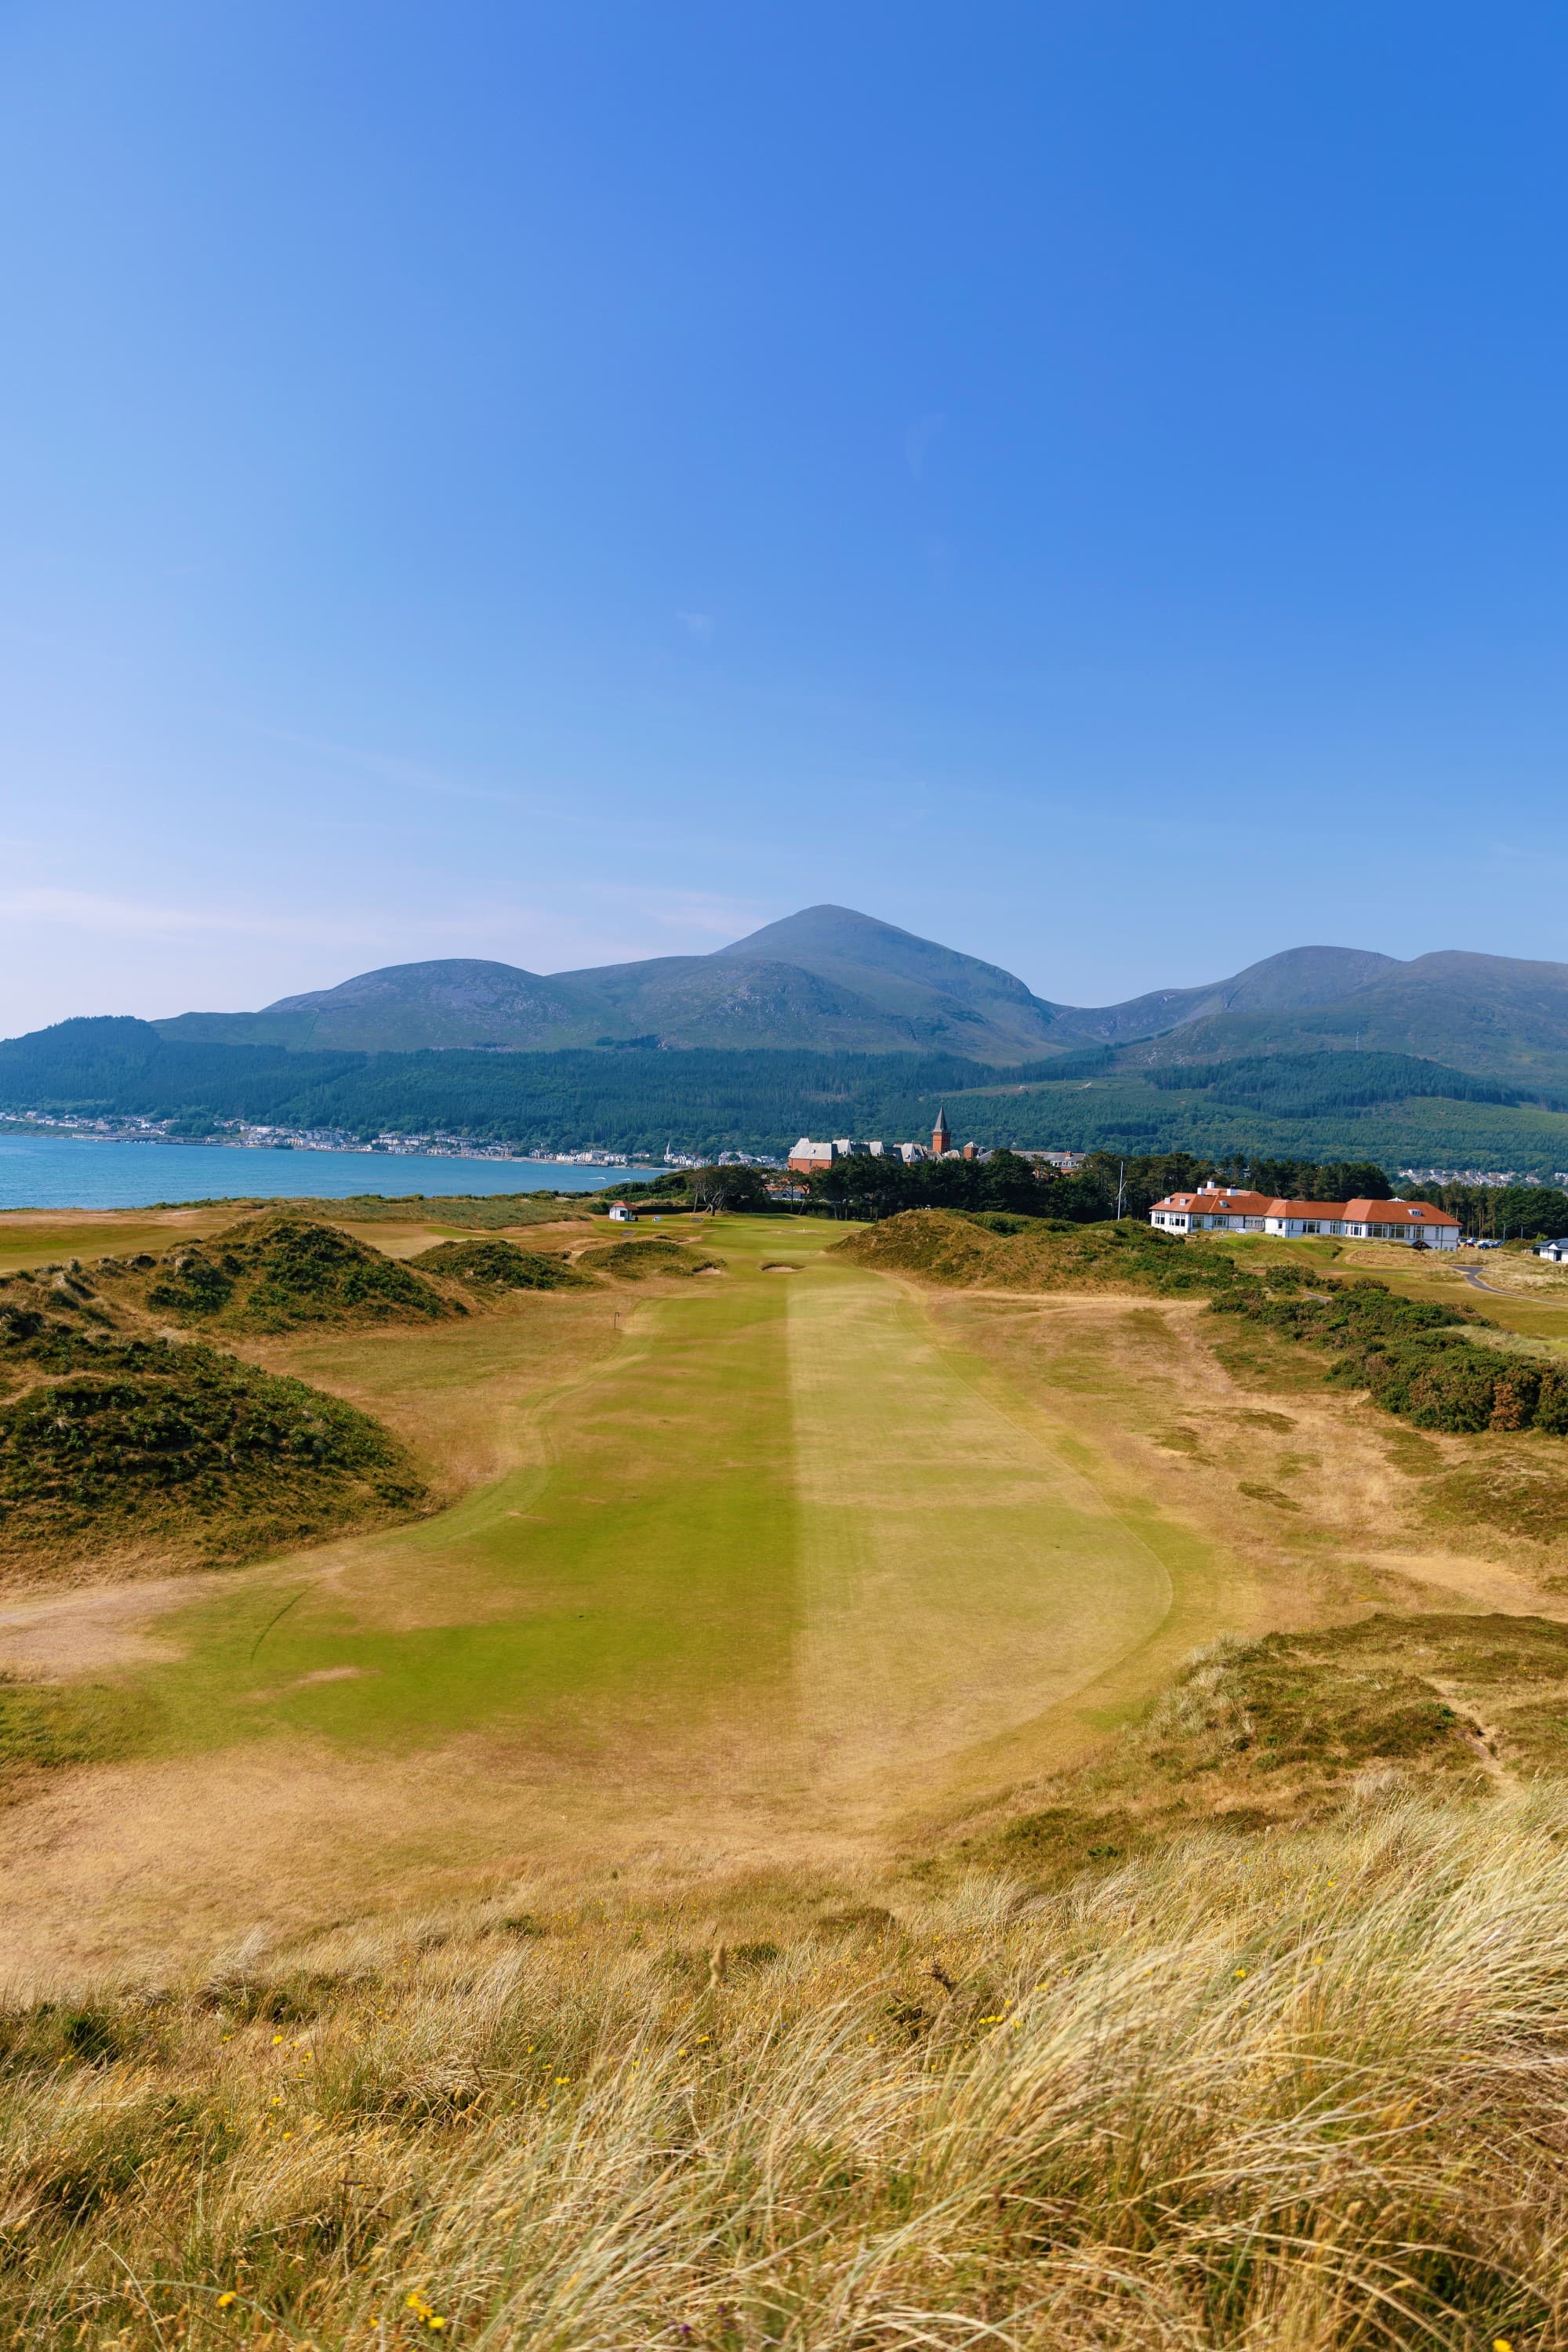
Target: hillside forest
1387	1109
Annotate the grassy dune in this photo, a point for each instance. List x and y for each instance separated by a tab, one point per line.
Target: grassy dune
116	1445
499	1266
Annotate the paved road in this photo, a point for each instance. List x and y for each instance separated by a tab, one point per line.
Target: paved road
1477	1283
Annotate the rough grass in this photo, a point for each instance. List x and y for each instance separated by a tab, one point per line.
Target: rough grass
1268	1734
106	1441
1521	1489
469	1212
44	1726
636	1261
499	1266
1299	2092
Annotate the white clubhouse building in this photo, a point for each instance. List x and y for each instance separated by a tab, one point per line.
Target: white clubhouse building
1216	1210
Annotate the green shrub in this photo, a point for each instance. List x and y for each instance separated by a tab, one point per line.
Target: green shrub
281	1272
1411	1354
121	1437
500	1265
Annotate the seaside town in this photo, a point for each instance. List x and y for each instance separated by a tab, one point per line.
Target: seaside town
807	1156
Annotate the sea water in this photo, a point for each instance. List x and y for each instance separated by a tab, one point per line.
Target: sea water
70	1172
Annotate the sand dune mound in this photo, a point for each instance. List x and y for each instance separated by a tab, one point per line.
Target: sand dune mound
111	1446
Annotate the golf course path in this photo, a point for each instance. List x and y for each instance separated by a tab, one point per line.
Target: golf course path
955	1577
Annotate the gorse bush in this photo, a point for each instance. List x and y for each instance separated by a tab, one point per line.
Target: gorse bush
281	1272
1411	1354
499	1266
1301	2091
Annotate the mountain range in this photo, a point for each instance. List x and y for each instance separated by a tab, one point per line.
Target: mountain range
829	978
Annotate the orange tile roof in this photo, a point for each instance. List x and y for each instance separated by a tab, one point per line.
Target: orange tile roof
1213	1202
1396	1212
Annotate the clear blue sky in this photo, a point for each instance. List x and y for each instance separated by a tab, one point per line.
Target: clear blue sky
578	481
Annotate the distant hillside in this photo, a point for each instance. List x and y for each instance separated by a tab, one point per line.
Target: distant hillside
1282	984
831	980
827	979
1491	1015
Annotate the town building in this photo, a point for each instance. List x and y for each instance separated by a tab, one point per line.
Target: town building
1218	1209
807	1156
1556	1251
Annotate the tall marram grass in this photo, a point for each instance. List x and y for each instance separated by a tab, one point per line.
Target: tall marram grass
1292	2092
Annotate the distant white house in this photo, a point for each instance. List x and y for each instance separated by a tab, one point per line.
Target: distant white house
620	1215
1216	1209
1556	1251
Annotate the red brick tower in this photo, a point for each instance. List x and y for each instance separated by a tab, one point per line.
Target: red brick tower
941	1135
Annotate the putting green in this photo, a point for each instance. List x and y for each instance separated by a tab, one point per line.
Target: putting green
777	1527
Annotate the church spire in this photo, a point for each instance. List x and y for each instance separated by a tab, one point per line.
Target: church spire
941	1134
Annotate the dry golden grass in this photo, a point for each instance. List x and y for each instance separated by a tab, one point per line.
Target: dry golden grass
1303	2092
